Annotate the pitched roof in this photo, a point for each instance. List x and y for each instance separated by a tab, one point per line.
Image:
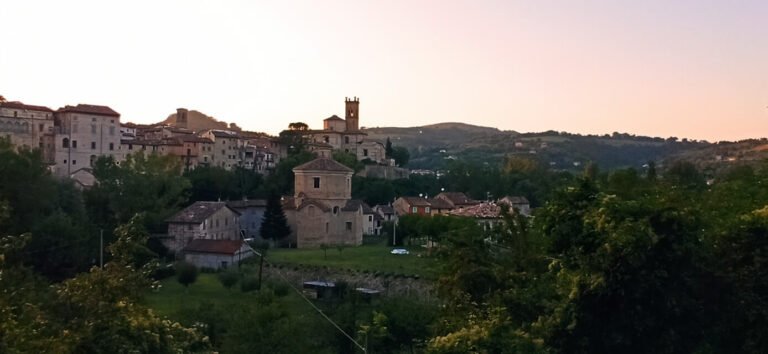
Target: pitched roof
333	117
353	205
315	202
436	203
456	198
415	201
482	211
385	209
367	209
214	246
19	105
247	203
196	213
322	164
224	134
89	109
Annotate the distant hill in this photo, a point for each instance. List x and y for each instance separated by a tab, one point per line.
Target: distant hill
442	135
198	121
434	146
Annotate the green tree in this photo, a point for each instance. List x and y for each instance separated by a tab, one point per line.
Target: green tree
186	273
274	225
95	312
152	184
229	278
388	148
400	155
348	159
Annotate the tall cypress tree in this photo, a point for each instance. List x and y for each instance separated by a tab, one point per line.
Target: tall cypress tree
274	226
388	148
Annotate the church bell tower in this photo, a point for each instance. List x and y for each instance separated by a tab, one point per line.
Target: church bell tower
352	113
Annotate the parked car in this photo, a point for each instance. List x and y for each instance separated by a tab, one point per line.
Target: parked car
399	251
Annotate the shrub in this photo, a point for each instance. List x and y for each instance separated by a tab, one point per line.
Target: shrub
186	273
249	283
164	272
229	278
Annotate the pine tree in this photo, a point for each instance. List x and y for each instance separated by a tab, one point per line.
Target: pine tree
274	226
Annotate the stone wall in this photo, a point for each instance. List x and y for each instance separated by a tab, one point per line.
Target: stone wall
389	284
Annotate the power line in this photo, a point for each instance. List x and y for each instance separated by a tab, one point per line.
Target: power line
308	300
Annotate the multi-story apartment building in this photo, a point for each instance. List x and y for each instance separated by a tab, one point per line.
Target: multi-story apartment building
28	125
83	133
226	146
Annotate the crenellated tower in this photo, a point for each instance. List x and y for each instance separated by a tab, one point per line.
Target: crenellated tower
352	113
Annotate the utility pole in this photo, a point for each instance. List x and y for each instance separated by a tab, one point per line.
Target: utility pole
101	248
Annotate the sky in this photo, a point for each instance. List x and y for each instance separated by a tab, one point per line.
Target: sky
696	69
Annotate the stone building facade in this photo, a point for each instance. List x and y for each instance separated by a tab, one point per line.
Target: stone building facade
29	126
202	220
344	134
322	210
83	133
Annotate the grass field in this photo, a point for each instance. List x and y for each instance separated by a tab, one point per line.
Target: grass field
365	257
172	297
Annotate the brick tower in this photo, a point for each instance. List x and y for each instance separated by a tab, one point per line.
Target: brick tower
352	115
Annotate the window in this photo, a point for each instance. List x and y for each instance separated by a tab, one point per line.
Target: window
426	209
335	210
65	143
189	227
316	182
111	146
74	162
93	128
217	222
414	210
93	145
130	146
349	226
74	144
111	130
93	119
346	140
326	228
65	162
41	127
365	152
15	114
370	218
223	152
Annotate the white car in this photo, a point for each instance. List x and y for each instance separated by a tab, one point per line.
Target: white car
399	251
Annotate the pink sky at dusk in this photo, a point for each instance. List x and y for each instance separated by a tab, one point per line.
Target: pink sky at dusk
696	69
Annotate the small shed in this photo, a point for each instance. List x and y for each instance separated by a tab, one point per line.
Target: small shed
216	254
322	289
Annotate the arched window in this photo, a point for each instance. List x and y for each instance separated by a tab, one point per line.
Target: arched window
335	210
65	143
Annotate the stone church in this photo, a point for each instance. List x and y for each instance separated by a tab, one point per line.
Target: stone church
322	210
344	134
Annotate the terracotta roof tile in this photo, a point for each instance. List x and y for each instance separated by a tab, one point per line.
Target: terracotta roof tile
89	109
323	164
214	246
19	105
196	213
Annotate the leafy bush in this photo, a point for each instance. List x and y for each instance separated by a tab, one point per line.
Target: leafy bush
186	273
229	278
249	283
